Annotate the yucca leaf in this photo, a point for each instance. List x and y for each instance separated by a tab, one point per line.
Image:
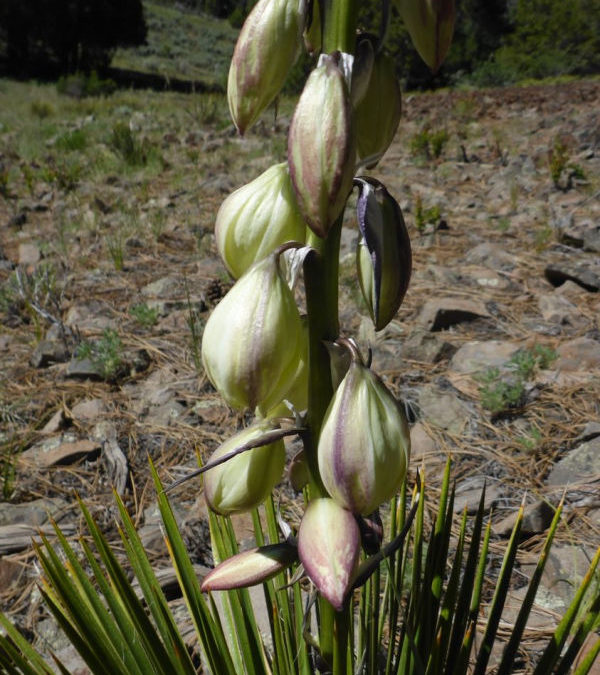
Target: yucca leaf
499	598
208	629
461	611
588	661
552	652
510	650
14	644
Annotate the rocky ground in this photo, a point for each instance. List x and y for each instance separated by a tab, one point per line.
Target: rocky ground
106	281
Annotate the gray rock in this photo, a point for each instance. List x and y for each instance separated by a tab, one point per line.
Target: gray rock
468	494
581	354
490	255
440	313
587	276
83	368
579	465
29	254
89	410
475	356
426	348
591	430
35	513
164	415
63	449
93	316
556	308
443	409
48	352
165	287
591	239
536	519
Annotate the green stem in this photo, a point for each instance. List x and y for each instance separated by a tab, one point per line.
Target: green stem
339	25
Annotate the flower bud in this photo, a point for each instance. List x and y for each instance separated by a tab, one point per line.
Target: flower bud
364	442
257	218
377	116
252	342
246	480
383	256
328	547
321	150
250	567
431	25
267	48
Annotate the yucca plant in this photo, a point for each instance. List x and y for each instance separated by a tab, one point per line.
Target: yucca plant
347	590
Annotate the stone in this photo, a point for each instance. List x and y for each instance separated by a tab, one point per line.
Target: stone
83	369
165	287
591	239
118	469
89	410
536	519
468	494
48	352
484	276
556	308
580	354
443	409
477	356
18	537
65	449
587	276
93	316
440	313
34	513
591	430
490	255
29	254
426	347
164	415
580	465
57	422
423	448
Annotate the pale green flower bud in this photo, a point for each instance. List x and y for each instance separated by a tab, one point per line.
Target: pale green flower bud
328	547
253	340
250	567
377	116
257	218
246	480
431	25
321	148
364	443
383	256
267	48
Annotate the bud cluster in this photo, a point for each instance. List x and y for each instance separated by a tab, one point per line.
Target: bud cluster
257	349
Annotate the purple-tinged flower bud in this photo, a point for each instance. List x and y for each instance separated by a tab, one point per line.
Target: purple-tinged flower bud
364	443
257	218
253	340
328	547
245	480
377	115
383	256
250	567
321	148
431	25
267	48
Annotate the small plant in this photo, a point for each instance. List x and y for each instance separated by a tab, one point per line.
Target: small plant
542	237
72	140
145	315
531	440
127	146
502	391
41	109
105	354
429	144
116	251
563	171
424	216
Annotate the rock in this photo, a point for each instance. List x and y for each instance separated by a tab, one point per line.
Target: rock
581	354
118	469
17	537
165	287
443	409
571	290
84	369
164	415
536	519
483	276
48	352
579	465
476	356
65	449
440	313
587	276
93	316
490	255
29	254
89	410
468	494
423	449
591	430
555	308
57	422
426	348
34	513
591	239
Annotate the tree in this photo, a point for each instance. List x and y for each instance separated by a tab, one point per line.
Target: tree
50	37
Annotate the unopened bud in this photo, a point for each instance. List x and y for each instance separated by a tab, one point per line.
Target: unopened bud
253	340
384	257
364	442
321	149
377	115
250	567
328	547
267	47
257	218
431	25
243	482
